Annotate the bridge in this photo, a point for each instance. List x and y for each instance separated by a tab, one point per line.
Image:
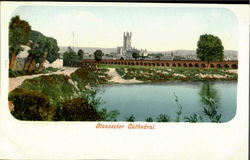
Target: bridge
163	63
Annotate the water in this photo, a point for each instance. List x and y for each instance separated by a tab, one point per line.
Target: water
150	100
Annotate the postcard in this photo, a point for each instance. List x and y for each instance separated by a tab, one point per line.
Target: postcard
124	81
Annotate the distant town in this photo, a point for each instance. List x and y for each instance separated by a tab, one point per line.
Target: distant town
126	50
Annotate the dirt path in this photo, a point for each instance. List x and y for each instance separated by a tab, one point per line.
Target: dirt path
118	79
15	82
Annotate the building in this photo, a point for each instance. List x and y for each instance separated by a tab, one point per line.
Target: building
127	50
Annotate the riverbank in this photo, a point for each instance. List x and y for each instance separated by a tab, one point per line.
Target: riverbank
139	74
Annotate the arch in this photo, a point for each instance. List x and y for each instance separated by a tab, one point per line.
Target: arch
196	65
112	62
128	63
218	66
158	64
226	66
235	66
137	63
119	63
141	64
162	64
190	65
203	65
115	62
153	64
185	65
132	63
149	64
173	65
179	65
145	64
168	64
125	63
211	65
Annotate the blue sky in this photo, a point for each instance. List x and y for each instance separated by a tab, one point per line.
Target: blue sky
153	28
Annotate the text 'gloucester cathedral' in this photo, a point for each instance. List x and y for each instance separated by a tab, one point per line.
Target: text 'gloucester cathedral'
127	50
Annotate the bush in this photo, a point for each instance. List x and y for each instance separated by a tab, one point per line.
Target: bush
30	105
120	71
128	76
131	118
56	87
149	119
78	109
163	118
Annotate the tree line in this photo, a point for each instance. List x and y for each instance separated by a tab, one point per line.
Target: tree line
41	47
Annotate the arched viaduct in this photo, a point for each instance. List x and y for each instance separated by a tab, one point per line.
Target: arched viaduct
163	63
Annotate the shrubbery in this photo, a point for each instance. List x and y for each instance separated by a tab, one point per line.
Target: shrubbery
31	105
78	109
24	73
60	97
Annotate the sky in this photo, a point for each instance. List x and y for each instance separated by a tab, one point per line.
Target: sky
153	28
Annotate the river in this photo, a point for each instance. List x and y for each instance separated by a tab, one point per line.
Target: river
152	99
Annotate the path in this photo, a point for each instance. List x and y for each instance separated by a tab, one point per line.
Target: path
17	81
118	79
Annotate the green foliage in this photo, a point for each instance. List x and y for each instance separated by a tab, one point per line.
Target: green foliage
192	118
52	49
121	58
179	112
177	58
149	119
98	55
209	48
38	44
69	57
207	92
108	116
80	54
131	118
19	31
156	55
56	87
210	110
135	55
163	118
67	99
120	71
31	105
78	109
23	72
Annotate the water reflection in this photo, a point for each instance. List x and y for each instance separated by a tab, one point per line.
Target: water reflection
179	102
210	100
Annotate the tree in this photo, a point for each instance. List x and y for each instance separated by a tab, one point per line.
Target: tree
69	57
178	58
37	45
80	54
135	55
19	31
210	48
98	55
42	48
53	50
50	52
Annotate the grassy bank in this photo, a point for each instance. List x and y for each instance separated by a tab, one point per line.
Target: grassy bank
61	97
13	74
159	74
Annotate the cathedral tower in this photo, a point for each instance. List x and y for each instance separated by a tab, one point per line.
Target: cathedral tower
127	41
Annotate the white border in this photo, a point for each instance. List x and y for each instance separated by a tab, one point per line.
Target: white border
72	140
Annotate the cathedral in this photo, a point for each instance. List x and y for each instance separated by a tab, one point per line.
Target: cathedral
126	50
